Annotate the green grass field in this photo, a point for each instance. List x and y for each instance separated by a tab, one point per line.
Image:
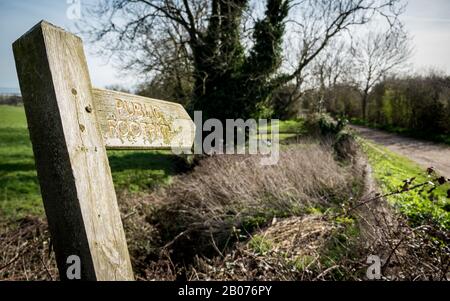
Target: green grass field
391	169
18	182
19	189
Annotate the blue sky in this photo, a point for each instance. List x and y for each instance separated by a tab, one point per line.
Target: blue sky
18	16
427	20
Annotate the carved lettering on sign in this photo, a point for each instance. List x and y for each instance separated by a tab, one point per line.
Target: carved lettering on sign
132	120
135	122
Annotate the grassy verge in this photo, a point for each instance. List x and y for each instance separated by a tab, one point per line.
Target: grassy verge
288	127
287	130
420	207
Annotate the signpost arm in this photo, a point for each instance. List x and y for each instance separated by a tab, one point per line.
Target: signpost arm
71	160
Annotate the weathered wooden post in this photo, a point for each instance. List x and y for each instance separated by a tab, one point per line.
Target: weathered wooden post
70	127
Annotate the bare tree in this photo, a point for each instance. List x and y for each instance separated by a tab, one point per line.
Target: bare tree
314	33
376	55
331	68
208	40
313	25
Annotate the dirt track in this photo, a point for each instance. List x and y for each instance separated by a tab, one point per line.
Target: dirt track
424	153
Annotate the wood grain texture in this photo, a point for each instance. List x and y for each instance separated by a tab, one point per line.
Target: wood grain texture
71	160
135	122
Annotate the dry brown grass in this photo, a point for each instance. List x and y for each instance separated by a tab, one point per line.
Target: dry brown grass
227	197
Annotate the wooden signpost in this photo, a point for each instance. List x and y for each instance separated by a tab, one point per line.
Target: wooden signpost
71	125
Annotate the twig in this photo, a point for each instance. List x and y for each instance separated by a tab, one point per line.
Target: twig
326	272
46	269
398	245
175	239
215	246
11	261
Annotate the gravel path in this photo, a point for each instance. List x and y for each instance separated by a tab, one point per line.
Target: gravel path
424	153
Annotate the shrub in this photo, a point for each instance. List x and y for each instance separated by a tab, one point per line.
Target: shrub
328	128
345	146
324	125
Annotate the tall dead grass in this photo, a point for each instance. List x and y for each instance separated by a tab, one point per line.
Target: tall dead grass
227	197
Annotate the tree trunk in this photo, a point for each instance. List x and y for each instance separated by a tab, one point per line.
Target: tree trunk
365	97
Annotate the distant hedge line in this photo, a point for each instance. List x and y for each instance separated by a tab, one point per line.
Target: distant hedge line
12	100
